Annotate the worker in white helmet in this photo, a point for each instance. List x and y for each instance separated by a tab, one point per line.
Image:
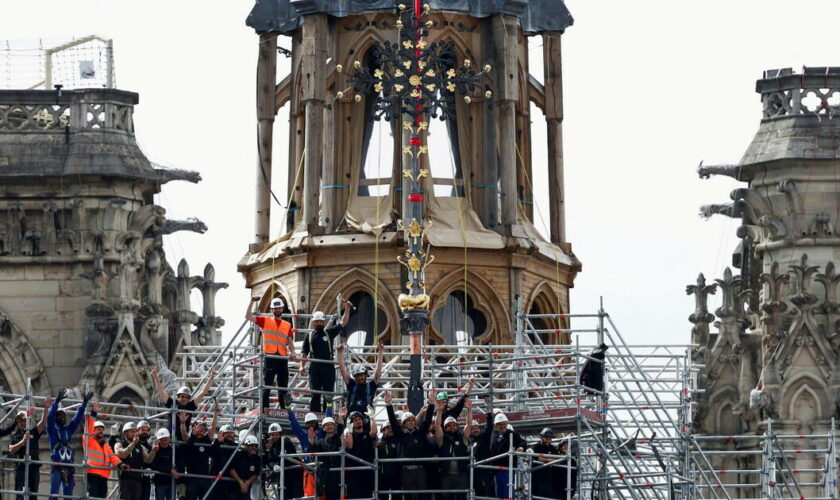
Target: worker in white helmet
329	481
22	432
453	443
245	469
318	350
184	400
307	435
278	344
195	454
221	452
499	445
159	459
276	446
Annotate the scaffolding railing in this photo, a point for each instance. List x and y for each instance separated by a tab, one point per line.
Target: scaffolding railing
630	438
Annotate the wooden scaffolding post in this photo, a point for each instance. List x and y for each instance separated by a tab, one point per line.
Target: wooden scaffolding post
266	80
554	119
313	90
505	30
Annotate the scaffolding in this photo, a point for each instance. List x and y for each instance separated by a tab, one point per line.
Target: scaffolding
630	438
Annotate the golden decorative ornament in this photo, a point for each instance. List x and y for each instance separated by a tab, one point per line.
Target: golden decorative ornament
467	63
467	99
423	126
414	264
402	6
339	95
407	171
357	98
378	73
488	94
421	64
398	87
450	87
415	230
423	150
414	80
398	73
399	24
407	44
422	44
406	64
377	87
339	68
427	7
408	126
407	150
415	93
488	68
450	73
424	172
430	73
429	24
357	64
430	87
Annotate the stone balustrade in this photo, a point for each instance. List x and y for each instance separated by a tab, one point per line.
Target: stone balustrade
815	91
55	111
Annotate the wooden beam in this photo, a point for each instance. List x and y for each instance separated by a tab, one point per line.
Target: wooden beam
266	79
554	119
313	90
536	92
505	29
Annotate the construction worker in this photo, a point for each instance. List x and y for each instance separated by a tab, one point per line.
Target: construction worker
361	391
279	347
60	433
328	477
221	451
413	444
195	457
144	434
455	410
100	457
567	484
307	436
245	469
276	447
389	472
318	348
454	444
359	442
501	443
160	460
130	451
28	475
184	400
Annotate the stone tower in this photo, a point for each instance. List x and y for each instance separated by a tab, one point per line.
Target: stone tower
348	195
778	328
86	294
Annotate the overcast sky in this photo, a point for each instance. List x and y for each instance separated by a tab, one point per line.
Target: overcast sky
651	88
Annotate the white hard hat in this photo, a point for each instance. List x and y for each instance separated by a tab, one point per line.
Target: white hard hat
359	369
406	415
143	423
162	433
319	316
21	414
386	424
277	303
129	426
225	428
243	435
475	423
327	420
496	411
310	417
184	390
450	420
275	427
251	439
98	423
500	417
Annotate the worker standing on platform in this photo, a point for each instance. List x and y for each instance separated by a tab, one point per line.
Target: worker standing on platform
544	480
101	459
453	443
184	400
221	451
328	480
195	456
143	434
60	434
414	444
361	391
389	472
276	446
245	469
500	445
318	346
160	460
279	347
480	440
567	484
307	437
27	474
359	442
130	451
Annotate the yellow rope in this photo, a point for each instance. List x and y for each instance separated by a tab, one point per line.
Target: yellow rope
286	214
542	219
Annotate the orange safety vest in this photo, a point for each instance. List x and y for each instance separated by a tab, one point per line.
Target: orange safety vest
276	336
100	458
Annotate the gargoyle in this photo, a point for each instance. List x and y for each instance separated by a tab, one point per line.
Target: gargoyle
166	174
191	224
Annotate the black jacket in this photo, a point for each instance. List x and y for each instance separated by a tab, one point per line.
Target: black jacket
413	443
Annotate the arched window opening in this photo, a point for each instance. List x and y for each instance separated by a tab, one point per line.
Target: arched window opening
542	304
128	397
445	156
362	325
459	324
377	146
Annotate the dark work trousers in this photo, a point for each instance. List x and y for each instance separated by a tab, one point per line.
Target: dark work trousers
390	482
321	378
97	486
34	479
454	482
196	488
275	369
414	478
147	488
359	483
329	486
131	488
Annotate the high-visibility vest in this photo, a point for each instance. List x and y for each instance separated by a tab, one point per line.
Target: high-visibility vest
100	458
276	336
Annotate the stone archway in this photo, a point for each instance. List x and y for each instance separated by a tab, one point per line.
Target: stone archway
19	360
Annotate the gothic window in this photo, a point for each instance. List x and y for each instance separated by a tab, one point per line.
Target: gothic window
458	320
542	304
377	147
362	325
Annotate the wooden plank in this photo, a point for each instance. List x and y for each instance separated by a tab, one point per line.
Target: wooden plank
554	119
507	92
266	79
313	90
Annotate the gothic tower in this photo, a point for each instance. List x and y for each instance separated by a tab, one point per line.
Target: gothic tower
347	193
87	297
776	354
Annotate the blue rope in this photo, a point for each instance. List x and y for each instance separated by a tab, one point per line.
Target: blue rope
489	186
337	186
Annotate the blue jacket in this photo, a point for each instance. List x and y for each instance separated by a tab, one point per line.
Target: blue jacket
301	433
60	449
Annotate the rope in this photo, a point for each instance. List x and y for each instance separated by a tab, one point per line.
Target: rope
286	213
542	220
